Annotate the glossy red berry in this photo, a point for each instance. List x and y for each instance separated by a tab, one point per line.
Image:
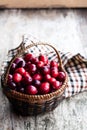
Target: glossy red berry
28	57
35	60
13	67
45	88
17	77
56	85
47	77
52	80
43	58
19	62
40	64
32	68
12	85
26	74
27	80
10	77
61	76
36	83
32	90
54	73
45	70
20	70
37	77
53	64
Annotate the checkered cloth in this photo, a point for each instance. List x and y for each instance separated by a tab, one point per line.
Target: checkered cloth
76	68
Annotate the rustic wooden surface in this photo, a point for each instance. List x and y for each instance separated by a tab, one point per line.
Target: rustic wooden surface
67	30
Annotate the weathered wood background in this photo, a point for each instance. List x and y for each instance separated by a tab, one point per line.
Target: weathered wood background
67	30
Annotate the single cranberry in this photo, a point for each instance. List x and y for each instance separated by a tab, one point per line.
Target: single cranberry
10	77
26	74
54	73
47	77
52	80
12	85
32	68
45	70
44	88
37	77
61	76
53	64
36	83
21	89
32	90
20	70
35	60
17	77
40	64
27	65
43	58
27	80
19	62
56	85
28	57
13	67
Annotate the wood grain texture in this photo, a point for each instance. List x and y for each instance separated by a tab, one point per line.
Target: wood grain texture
66	30
42	4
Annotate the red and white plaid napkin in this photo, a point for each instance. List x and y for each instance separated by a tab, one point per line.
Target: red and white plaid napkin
76	68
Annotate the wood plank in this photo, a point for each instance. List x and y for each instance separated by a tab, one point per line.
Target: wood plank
42	4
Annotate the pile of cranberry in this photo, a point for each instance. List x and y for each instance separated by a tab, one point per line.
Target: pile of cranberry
35	75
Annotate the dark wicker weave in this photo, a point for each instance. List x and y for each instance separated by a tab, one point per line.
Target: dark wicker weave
34	104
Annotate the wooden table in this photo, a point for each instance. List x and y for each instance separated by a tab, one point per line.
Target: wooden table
67	30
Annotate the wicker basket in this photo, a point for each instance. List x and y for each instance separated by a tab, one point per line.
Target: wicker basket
33	104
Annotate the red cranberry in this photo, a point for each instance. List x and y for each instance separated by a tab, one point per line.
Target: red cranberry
27	66
10	77
53	64
54	73
56	85
32	68
52	80
40	64
61	76
12	85
54	68
37	77
35	60
21	89
43	58
19	62
17	77
26	74
45	88
45	70
27	80
36	83
13	67
28	57
32	90
47	77
20	70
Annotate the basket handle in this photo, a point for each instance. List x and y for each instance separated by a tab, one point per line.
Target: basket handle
17	49
21	48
